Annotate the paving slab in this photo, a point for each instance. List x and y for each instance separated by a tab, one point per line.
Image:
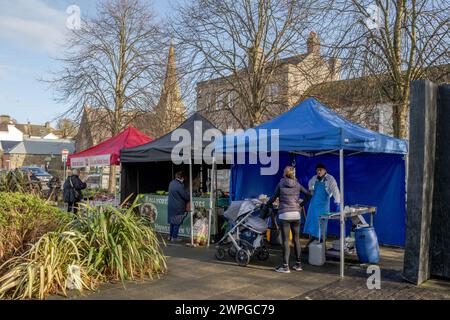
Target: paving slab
354	288
195	274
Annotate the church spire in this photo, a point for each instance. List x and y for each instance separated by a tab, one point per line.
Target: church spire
170	110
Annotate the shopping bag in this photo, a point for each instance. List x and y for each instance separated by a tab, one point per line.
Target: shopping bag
201	231
74	278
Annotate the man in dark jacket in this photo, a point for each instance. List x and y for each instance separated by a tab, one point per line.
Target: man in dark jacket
72	191
54	186
178	198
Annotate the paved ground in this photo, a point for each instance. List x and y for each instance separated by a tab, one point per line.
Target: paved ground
355	288
195	274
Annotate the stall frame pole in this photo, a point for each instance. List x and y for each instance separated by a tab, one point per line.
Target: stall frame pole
342	217
192	202
65	170
119	190
211	202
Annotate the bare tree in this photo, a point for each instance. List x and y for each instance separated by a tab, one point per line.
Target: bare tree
242	43
112	64
68	127
393	42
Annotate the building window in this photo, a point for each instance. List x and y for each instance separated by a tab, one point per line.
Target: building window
208	101
273	92
220	101
231	99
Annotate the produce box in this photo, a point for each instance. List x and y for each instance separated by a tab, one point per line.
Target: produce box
223	202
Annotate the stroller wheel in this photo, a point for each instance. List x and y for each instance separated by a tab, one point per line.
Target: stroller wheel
220	254
232	252
243	257
263	254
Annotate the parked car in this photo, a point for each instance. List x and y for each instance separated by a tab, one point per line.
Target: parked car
43	176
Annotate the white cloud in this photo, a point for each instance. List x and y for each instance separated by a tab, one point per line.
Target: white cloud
32	24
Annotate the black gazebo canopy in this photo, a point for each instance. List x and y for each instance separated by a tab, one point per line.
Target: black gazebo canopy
148	168
161	149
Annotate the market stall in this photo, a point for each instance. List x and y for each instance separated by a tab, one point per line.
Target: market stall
310	133
107	154
148	169
154	207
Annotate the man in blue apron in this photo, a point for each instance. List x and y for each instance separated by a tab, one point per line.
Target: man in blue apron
322	186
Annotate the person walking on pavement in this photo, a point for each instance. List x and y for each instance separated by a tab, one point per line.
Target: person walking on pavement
54	186
323	186
288	191
72	191
178	199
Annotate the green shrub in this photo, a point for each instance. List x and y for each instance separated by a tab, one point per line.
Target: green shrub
91	193
123	244
24	218
18	181
43	269
105	243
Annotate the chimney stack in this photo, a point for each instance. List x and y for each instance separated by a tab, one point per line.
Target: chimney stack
4	118
313	43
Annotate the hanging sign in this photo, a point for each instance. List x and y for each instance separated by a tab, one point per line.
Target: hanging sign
95	161
64	155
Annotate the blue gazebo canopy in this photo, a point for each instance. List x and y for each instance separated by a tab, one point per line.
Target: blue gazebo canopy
374	167
311	126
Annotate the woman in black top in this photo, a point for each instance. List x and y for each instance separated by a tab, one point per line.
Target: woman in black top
72	191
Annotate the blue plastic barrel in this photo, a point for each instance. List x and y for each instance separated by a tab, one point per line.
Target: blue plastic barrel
367	247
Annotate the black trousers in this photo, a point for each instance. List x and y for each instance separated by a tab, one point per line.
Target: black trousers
286	227
72	207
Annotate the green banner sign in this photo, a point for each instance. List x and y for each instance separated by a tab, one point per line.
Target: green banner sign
155	208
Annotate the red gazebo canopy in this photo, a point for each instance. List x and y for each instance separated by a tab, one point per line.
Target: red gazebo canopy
107	153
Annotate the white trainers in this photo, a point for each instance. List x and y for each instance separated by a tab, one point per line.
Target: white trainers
297	267
283	269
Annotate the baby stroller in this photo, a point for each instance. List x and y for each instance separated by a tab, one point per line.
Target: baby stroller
246	237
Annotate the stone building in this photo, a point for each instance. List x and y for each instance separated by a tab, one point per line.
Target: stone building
293	75
31	144
92	129
170	111
10	130
363	101
94	126
359	100
34	152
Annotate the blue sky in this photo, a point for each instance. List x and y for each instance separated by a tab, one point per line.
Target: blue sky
31	34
